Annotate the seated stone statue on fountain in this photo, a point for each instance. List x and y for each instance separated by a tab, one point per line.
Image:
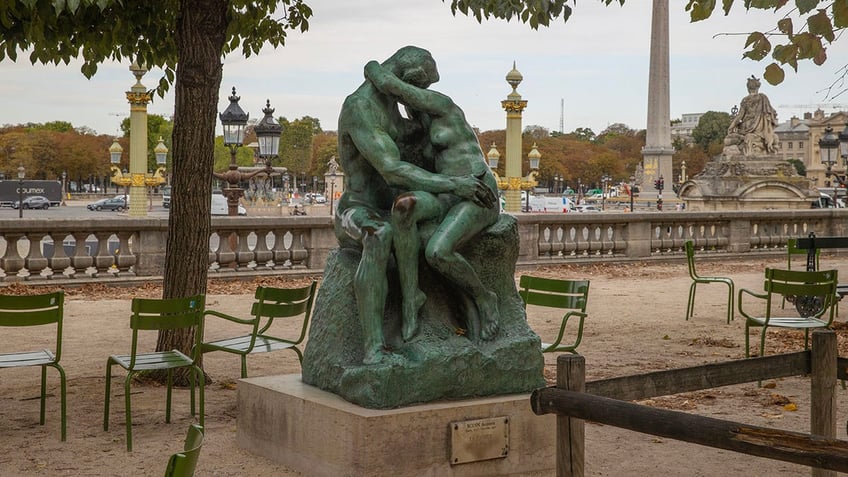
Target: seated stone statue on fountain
751	131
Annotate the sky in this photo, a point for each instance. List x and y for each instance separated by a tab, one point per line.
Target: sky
591	71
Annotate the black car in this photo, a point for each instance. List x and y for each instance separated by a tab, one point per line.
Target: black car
33	202
112	203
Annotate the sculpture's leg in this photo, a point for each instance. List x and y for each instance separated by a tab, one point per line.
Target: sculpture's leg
408	210
371	287
464	221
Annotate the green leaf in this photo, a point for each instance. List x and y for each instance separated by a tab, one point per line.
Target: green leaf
840	14
786	54
821	57
808	45
700	9
805	6
773	74
819	24
785	26
725	5
759	46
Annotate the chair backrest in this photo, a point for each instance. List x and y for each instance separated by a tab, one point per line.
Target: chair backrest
183	463
34	310
274	303
554	293
690	258
802	283
792	249
150	314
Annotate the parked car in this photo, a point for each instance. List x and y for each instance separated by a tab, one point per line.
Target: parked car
114	203
219	206
588	208
316	198
33	202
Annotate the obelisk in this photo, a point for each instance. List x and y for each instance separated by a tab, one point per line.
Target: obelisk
656	155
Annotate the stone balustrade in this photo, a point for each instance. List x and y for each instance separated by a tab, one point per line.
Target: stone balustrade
111	248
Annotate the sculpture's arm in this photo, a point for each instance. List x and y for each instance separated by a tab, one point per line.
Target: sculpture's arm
428	101
383	155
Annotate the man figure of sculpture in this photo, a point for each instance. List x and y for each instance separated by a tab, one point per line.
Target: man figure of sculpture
456	152
369	126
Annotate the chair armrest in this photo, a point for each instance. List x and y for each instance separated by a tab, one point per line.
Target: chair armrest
227	317
745	291
562	327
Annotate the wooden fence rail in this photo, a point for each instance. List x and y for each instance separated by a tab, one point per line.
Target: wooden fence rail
574	400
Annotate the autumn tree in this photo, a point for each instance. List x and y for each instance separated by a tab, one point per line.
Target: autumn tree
710	132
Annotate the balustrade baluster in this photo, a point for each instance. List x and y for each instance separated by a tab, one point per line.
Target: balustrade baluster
244	255
12	261
263	255
126	258
583	242
104	260
225	256
298	250
570	236
556	241
282	255
544	242
82	258
35	262
59	261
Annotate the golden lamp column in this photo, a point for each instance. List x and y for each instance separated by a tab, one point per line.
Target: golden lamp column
138	98
514	106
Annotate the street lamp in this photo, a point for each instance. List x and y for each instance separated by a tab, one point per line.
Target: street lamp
534	156
268	135
332	190
21	175
605	180
122	179
829	152
64	187
632	185
234	120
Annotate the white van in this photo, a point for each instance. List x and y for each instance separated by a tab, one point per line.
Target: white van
551	205
219	206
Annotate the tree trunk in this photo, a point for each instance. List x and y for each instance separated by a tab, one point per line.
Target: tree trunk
201	29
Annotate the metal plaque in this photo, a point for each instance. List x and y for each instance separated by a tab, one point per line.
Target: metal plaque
480	439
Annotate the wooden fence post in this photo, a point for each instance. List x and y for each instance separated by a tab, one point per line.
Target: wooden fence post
823	390
571	435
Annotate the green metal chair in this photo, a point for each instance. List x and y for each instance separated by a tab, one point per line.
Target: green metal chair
571	295
157	315
37	310
271	303
182	464
698	279
818	286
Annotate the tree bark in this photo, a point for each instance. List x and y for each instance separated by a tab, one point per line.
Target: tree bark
200	36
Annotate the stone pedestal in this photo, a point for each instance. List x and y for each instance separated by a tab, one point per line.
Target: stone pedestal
748	183
319	434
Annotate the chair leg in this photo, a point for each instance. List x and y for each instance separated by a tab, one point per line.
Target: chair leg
106	401
690	306
730	303
299	355
128	410
62	401
243	366
168	399
747	340
43	392
763	342
201	394
191	383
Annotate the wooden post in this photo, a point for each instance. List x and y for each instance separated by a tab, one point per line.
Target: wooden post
571	435
823	390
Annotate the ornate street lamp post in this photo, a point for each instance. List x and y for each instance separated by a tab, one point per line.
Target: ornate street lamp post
516	183
268	135
605	180
64	187
829	152
124	180
234	120
138	97
21	175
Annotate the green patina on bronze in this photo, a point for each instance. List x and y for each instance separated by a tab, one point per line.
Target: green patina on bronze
419	303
